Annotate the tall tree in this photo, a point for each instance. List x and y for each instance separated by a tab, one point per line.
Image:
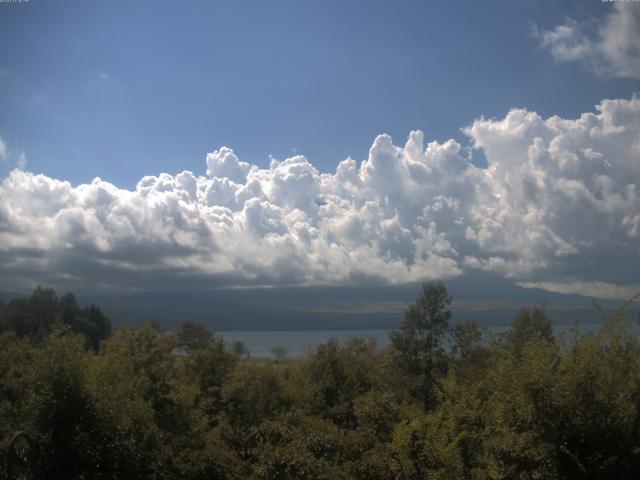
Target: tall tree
419	340
193	335
528	325
33	317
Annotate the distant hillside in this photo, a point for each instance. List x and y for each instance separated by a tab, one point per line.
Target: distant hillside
8	296
487	298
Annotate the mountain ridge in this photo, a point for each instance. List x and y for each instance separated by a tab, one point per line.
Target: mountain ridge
485	297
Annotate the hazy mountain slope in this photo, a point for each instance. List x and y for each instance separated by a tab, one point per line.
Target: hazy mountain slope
485	297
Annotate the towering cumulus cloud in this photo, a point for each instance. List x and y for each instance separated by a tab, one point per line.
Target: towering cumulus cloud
558	202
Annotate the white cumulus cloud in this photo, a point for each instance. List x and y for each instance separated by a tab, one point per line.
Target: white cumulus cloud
559	202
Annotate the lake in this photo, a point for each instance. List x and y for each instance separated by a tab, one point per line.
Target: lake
300	342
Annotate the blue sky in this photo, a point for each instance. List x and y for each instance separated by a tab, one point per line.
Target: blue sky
145	95
124	89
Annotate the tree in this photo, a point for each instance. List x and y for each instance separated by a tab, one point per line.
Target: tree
69	308
37	316
45	308
97	325
240	348
466	339
279	352
210	367
89	321
528	325
470	352
333	376
64	420
193	335
33	317
419	339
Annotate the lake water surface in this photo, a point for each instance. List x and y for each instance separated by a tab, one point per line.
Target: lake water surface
300	342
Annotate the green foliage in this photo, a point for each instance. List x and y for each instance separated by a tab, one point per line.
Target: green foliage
193	335
252	394
528	325
60	408
524	405
467	340
33	317
419	341
16	385
377	413
333	376
37	316
209	368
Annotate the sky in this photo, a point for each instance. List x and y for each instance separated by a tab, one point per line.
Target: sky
155	144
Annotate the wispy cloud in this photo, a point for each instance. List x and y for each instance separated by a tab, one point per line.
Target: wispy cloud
594	289
610	47
12	157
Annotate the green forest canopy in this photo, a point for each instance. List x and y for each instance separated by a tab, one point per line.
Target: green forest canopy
442	401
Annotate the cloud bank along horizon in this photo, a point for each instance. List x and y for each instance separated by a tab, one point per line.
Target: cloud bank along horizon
557	204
